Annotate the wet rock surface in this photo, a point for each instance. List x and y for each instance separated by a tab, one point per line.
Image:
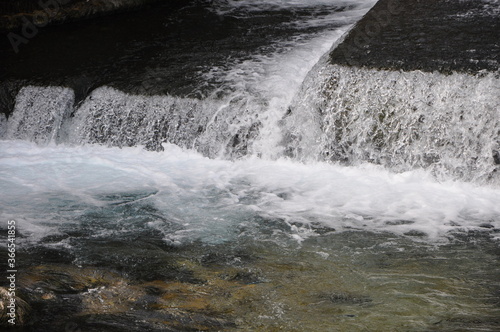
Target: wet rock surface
425	35
14	15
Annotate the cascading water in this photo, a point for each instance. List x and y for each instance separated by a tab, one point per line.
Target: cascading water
241	98
402	120
280	193
39	114
238	123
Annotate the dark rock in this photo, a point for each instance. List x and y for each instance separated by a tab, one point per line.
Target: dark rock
48	310
415	233
399	222
8	93
471	236
152	290
235	258
35	255
70	298
151	321
285	196
246	277
346	298
238	146
470	323
141	261
496	157
320	228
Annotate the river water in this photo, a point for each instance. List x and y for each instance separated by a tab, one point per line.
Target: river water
199	190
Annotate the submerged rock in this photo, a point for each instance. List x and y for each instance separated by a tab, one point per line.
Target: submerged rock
346	298
415	233
67	297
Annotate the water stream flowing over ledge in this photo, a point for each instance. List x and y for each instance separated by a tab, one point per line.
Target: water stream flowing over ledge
449	124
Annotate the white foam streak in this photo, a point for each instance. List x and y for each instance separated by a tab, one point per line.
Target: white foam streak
232	6
281	80
269	80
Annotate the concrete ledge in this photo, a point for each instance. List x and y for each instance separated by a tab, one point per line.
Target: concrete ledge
427	35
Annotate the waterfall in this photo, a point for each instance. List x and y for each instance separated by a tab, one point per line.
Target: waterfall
402	120
272	105
39	113
110	117
449	124
114	118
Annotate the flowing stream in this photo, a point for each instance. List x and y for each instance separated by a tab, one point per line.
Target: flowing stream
278	192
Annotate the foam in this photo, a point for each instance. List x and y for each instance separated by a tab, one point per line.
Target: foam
271	77
273	80
199	198
244	120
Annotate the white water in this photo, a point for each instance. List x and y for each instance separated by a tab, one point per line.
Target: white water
39	113
448	124
50	188
46	188
269	81
243	7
